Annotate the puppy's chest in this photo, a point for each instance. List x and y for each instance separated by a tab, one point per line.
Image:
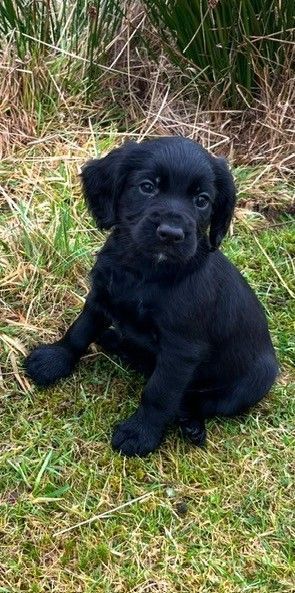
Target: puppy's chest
131	300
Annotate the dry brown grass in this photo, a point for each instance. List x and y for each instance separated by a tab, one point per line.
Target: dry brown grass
141	98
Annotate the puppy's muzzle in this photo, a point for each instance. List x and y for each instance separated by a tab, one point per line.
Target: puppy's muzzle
169	234
170	227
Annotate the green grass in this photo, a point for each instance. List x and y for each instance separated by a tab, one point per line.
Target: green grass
218	520
226	47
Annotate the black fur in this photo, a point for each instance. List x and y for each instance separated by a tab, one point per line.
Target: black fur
163	297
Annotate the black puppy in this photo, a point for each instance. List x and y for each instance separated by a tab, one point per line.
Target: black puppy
163	297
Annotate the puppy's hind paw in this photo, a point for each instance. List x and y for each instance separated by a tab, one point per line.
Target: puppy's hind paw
49	363
194	431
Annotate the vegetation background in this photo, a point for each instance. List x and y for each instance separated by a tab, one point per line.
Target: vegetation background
77	78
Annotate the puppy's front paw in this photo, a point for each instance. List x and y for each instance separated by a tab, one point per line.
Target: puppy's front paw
136	436
49	363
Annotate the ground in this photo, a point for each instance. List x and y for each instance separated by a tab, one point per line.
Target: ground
211	521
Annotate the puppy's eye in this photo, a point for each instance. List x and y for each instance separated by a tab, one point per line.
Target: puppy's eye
147	187
202	200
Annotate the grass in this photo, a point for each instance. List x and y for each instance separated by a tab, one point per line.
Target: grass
228	47
217	72
218	520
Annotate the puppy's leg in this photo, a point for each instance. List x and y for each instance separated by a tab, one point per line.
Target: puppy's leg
50	362
239	398
144	430
232	401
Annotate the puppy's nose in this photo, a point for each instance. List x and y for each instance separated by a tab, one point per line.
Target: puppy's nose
170	234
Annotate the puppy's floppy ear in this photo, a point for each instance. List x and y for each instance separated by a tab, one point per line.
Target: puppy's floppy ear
224	203
102	184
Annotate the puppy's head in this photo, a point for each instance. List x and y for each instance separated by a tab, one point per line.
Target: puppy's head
165	194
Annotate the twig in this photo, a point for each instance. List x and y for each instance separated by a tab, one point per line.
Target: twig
102	515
